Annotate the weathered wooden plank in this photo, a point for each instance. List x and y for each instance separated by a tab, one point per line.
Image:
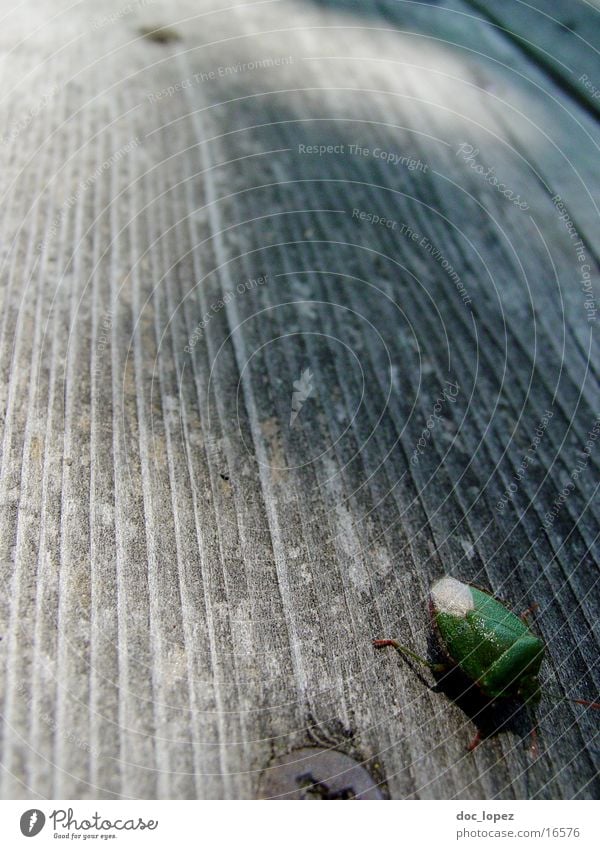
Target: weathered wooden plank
194	583
561	36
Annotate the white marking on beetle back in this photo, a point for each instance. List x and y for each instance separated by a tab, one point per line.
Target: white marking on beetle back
452	596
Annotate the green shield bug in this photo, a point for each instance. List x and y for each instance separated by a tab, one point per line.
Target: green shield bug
492	646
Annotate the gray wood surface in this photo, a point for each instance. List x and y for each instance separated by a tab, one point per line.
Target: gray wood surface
191	584
559	35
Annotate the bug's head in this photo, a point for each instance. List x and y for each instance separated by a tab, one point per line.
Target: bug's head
529	689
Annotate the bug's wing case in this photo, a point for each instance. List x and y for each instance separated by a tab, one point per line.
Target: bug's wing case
490	644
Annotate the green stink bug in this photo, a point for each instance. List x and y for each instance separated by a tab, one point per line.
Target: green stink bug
492	647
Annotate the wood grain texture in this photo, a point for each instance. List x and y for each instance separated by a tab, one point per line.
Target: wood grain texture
190	583
559	35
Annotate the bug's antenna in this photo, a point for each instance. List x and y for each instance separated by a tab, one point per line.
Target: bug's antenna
435	667
585	702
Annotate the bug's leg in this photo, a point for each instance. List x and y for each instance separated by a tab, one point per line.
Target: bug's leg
529	611
586	703
435	667
381	644
534	748
533	734
475	741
